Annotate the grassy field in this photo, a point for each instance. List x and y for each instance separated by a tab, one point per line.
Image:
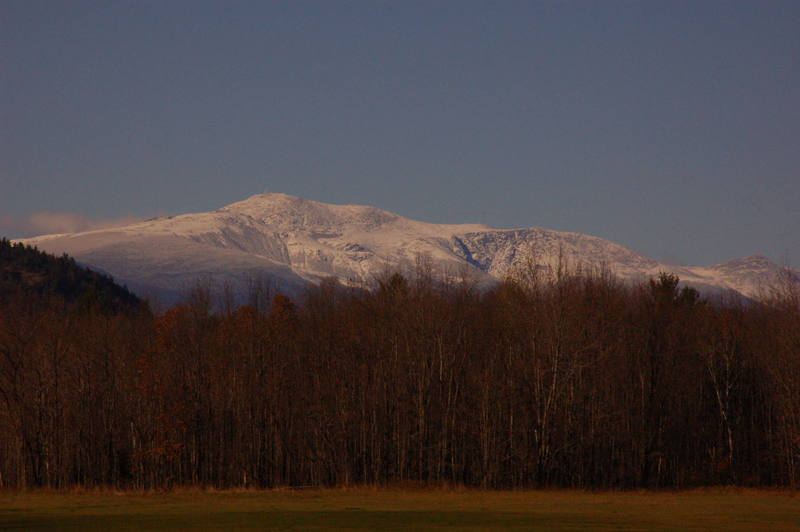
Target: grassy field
387	509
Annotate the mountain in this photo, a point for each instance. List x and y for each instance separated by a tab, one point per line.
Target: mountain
295	241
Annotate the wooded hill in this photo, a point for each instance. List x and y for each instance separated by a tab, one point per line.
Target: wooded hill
25	270
568	379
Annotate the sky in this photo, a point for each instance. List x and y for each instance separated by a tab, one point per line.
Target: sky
672	128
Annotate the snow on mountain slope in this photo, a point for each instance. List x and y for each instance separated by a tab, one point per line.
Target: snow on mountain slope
754	276
296	241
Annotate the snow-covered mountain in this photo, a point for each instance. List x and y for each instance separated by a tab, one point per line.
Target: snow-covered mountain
294	241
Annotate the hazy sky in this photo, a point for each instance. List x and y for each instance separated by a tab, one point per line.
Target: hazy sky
672	127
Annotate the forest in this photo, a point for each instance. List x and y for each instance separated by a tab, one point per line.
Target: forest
564	377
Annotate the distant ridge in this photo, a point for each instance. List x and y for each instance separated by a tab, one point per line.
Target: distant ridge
295	241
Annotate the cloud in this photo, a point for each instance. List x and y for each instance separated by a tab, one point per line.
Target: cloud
46	222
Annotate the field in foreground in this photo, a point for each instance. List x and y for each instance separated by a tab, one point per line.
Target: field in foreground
717	509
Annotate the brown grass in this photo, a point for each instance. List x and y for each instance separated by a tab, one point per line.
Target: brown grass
401	508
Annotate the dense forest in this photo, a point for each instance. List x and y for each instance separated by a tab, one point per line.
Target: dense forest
25	270
552	378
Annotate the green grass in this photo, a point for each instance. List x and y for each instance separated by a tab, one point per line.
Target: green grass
399	509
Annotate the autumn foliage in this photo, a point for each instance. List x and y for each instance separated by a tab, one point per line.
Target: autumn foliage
573	380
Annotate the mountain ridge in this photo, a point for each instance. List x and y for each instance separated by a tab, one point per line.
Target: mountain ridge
296	241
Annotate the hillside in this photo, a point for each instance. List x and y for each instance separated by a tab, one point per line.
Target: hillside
26	270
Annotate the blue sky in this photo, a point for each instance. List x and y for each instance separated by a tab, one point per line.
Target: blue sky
672	128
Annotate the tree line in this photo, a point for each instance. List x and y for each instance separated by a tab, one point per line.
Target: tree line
553	378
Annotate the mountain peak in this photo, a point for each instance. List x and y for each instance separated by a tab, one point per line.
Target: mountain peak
750	262
292	213
295	241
